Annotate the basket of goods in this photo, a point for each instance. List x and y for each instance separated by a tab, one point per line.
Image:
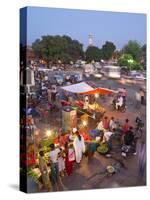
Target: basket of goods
103	148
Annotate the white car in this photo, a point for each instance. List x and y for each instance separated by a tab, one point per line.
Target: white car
97	75
138	76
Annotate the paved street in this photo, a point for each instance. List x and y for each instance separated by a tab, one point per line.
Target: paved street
128	174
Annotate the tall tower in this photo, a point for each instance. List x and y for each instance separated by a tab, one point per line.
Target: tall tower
90	40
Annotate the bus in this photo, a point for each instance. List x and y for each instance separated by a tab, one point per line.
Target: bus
111	71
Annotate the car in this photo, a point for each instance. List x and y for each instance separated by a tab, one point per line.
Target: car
137	76
140	77
97	75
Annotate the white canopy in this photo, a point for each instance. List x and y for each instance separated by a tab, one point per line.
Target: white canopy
78	88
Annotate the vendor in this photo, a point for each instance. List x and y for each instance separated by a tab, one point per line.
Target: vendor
100	126
107	135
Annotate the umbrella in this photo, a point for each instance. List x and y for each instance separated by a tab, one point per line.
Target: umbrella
99	91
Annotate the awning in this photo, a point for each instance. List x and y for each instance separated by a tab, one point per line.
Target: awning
84	88
100	91
78	88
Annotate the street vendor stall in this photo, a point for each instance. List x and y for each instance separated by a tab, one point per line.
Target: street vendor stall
92	108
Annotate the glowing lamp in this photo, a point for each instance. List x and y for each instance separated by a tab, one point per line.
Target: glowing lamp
48	133
85	123
96	95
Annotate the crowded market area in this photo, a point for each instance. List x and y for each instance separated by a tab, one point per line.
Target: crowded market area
83	135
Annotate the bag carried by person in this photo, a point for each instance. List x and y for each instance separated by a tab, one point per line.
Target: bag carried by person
71	155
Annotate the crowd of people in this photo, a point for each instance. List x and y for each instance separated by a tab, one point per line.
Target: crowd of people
64	155
69	153
61	161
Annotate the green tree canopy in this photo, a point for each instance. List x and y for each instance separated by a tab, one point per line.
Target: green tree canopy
54	48
108	48
93	53
128	61
143	56
133	48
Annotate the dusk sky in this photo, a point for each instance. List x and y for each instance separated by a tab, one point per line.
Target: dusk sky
78	24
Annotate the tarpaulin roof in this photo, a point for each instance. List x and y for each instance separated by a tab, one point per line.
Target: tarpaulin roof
99	91
84	88
78	88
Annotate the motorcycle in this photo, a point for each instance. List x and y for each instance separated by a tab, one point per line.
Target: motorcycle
121	108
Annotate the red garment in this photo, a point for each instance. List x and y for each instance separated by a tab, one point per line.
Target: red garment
68	164
85	136
63	139
106	124
125	127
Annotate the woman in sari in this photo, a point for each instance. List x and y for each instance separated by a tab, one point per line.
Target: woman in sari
69	158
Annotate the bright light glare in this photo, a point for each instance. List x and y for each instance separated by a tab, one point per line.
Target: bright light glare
85	123
48	133
96	95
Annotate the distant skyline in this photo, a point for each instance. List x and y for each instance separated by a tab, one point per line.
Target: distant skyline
104	26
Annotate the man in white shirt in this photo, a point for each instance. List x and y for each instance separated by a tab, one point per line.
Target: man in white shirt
53	155
119	102
100	126
53	158
107	135
112	124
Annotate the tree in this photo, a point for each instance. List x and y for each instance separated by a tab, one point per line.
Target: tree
133	48
54	48
108	48
116	55
143	56
128	61
93	53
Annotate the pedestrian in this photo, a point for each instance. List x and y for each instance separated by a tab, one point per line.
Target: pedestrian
119	102
91	148
49	94
53	158
107	135
112	124
44	172
100	126
138	99
123	93
79	146
141	158
125	127
142	96
106	123
69	158
129	137
61	163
